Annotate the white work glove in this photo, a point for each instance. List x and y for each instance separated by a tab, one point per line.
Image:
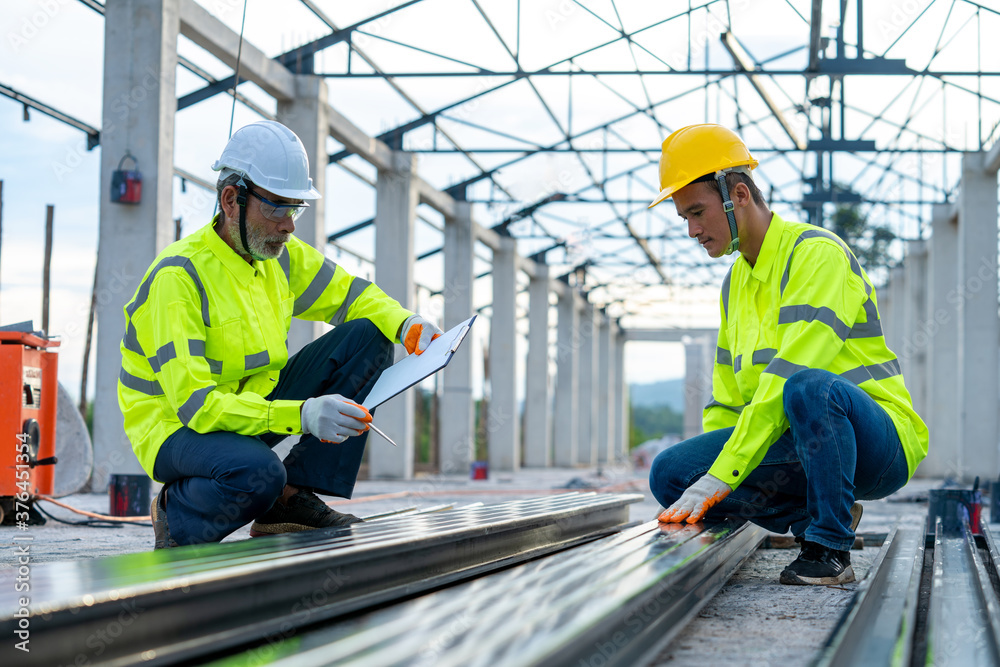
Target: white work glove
334	418
417	333
697	499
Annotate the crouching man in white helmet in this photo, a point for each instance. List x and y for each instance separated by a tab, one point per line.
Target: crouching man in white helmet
207	387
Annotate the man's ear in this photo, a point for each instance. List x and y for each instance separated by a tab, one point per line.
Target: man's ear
740	194
229	205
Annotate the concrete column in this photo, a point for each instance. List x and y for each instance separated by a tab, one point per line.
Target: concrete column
306	116
623	415
457	425
504	440
140	101
566	401
694	390
396	199
619	396
978	325
942	410
913	357
604	392
538	396
587	415
897	310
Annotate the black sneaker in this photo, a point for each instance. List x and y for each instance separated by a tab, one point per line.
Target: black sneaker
302	511
818	566
158	514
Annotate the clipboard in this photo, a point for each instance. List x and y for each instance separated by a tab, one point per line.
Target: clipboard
413	368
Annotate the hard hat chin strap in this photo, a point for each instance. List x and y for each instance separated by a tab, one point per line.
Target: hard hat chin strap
727	204
241	200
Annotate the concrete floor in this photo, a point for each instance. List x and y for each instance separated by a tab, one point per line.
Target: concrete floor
752	621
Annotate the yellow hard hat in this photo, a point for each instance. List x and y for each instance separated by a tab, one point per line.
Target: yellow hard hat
698	150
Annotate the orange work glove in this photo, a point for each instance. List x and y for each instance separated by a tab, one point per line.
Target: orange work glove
697	499
417	333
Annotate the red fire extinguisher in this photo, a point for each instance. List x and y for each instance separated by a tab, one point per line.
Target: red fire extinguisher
126	184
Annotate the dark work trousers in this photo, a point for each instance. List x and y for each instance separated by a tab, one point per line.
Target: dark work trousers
841	446
219	481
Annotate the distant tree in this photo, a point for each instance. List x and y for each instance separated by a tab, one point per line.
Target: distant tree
869	242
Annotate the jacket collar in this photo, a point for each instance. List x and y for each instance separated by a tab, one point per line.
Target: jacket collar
230	259
768	249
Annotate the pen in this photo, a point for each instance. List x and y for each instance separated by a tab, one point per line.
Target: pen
379	431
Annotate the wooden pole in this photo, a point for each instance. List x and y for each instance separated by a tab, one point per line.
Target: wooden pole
86	346
46	269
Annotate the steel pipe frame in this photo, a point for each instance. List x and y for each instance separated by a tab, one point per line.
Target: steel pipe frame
570	607
220	595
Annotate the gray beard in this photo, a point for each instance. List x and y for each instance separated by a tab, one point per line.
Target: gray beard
257	241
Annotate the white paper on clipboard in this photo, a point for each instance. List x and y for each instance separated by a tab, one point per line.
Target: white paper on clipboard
413	368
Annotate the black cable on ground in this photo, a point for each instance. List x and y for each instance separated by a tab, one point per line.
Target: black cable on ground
96	523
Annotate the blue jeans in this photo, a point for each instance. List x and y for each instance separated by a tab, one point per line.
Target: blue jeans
219	481
841	446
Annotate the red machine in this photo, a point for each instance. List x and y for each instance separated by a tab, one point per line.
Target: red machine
28	398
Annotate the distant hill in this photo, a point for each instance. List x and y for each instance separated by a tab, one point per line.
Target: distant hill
667	392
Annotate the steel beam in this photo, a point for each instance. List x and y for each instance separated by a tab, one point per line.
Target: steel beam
616	601
173	605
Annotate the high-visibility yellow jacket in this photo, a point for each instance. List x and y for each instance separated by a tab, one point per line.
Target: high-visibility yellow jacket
806	303
205	337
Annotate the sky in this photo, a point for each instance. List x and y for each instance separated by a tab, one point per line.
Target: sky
53	50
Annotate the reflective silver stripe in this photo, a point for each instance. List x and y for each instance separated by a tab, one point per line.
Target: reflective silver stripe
723	356
761	356
163	355
735	408
318	285
872	327
805	313
764	356
875	372
148	387
197	349
358	285
131	340
869	329
257	360
725	291
782	368
283	262
143	294
193	404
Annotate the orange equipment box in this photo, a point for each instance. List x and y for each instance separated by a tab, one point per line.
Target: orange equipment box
28	398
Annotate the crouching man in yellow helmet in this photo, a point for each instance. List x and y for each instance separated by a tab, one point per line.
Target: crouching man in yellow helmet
206	385
809	412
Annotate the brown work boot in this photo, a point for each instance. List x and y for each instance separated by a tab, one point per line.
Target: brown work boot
158	514
302	511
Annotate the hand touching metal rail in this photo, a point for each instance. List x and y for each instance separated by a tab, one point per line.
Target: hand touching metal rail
697	499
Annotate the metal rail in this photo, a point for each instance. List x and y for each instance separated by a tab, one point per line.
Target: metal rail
947	586
615	601
962	620
877	628
169	606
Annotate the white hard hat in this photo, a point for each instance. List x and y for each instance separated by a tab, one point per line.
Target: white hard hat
272	157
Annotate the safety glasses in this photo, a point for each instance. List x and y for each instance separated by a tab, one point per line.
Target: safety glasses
278	212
